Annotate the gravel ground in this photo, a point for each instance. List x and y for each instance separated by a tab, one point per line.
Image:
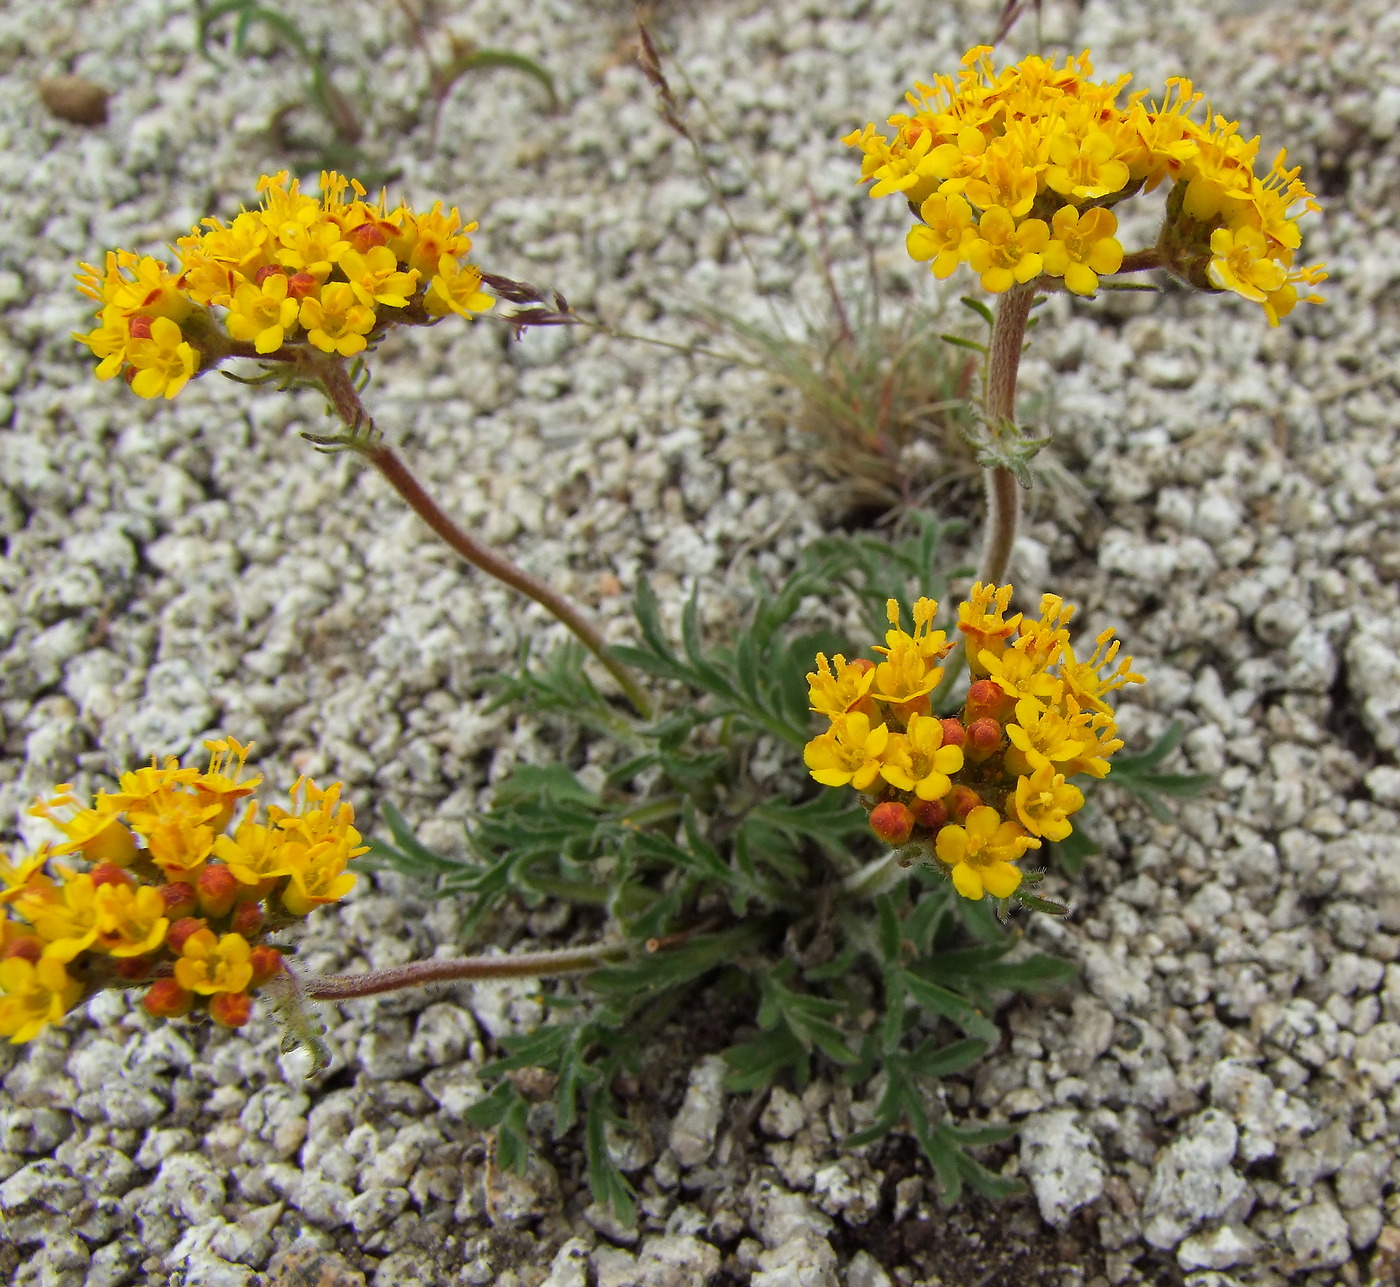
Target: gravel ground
1215	1100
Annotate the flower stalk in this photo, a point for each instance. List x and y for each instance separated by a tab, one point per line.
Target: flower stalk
999	410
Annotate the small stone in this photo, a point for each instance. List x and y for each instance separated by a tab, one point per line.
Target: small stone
783	1115
613	1267
1063	1163
865	1271
1193	1181
569	1268
693	1132
373	1209
1219	1249
805	1261
304	1264
248	1239
677	1260
1317	1236
75	99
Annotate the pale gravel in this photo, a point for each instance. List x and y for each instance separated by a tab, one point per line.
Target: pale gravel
1223	1077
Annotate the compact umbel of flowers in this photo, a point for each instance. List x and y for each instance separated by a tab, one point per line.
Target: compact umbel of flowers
170	883
1015	172
973	791
307	287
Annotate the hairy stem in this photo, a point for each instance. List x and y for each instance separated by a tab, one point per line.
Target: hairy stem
348	407
999	408
416	974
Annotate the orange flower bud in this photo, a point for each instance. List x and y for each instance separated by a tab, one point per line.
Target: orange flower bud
366	236
961	801
176	935
247	919
29	948
954	733
930	813
892	822
166	999
266	961
300	285
984	698
133	969
218	887
268	270
180	899
902	711
139	327
230	1009
983	739
108	873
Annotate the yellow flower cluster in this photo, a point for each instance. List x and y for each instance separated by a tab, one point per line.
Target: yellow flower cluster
980	788
154	892
1013	172
330	275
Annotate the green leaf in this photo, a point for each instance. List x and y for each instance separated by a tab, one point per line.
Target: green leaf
527	782
928	1061
608	1184
757	1063
647	610
934	996
1034	974
978	307
485	59
962	343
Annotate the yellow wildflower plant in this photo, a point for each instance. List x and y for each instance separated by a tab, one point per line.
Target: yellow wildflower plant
976	790
285	282
1013	171
154	894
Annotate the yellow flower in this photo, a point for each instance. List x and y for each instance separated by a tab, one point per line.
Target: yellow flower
66	917
957	163
208	965
982	619
1283	301
1008	184
427	237
20	878
456	290
164	363
131	919
375	277
910	668
1085	168
1082	246
1082	678
1044	800
337	322
152	289
943	235
313	246
36	994
1043	734
1241	262
1100	736
263	313
918	761
98	834
320	840
1018	672
1004	254
833	694
108	341
254	854
318	876
217	785
848	753
179	832
981	852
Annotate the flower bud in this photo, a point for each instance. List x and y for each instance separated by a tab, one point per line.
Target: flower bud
961	801
217	887
983	739
132	969
366	236
954	732
269	270
247	919
903	711
138	327
166	999
180	899
300	285
230	1009
176	935
984	699
930	813
892	822
266	961
108	873
27	948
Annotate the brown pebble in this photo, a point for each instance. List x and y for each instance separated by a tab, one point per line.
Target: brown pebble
304	1264
71	98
